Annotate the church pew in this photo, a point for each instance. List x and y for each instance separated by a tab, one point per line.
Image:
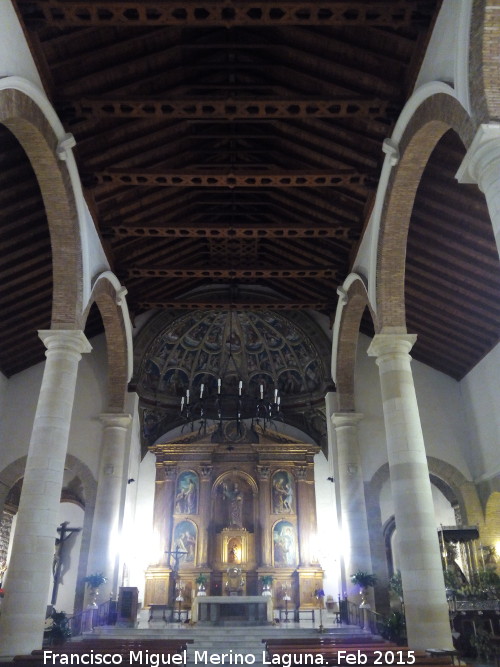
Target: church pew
345	654
103	646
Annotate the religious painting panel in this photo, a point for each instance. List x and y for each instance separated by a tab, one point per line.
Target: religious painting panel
185	540
282	493
284	544
186	493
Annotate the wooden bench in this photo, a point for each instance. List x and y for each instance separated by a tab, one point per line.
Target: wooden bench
339	652
104	646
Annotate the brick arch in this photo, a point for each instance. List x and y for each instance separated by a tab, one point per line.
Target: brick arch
107	300
20	114
357	301
484	75
454	485
435	116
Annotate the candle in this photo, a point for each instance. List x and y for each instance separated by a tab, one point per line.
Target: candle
201	390
239	387
187	396
261	391
275	395
182	403
218	386
279	401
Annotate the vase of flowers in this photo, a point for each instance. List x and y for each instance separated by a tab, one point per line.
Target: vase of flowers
364	580
93	582
201	582
266	582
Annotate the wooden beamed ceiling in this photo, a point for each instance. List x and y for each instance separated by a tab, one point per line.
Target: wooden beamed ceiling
230	153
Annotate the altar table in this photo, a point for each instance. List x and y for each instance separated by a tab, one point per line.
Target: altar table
255	609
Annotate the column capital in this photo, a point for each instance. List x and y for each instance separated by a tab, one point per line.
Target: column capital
340	419
263	473
393	344
483	153
115	419
72	340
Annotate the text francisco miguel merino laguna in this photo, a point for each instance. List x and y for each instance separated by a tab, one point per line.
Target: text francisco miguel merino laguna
150	659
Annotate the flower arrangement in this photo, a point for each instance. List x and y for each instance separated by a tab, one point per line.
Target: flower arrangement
201	579
95	580
319	593
363	579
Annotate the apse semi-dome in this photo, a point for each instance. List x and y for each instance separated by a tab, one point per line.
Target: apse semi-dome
275	351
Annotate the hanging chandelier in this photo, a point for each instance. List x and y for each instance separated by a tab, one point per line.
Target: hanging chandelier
228	399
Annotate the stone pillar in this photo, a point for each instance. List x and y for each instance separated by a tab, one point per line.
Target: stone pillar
163	510
426	608
204	513
30	570
263	473
306	511
356	541
108	513
481	165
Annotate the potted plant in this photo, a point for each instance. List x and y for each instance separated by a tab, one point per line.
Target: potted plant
57	630
364	580
266	580
93	582
201	581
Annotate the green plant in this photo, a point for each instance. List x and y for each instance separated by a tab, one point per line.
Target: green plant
396	584
363	579
95	580
481	641
393	628
266	580
201	579
58	630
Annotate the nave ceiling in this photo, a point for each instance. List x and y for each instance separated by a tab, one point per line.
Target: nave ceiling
222	149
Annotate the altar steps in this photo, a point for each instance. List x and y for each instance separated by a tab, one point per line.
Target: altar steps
232	640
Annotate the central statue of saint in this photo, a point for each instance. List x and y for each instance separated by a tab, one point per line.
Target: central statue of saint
232	494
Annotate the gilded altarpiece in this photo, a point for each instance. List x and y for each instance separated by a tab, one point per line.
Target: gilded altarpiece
235	512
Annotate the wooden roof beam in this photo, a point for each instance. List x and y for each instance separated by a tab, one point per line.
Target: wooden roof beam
210	13
180	178
187	229
226	109
227	305
183	272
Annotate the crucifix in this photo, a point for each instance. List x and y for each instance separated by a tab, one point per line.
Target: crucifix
65	533
176	555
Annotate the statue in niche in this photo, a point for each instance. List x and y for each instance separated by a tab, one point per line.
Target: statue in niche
233	496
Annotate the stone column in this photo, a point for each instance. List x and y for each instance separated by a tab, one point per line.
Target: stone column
204	513
306	516
108	513
163	510
356	541
481	165
30	571
263	473
426	609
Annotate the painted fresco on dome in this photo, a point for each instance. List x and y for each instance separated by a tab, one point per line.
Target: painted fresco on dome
284	544
260	348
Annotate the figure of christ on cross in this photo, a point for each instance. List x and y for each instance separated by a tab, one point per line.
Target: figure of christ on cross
176	555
